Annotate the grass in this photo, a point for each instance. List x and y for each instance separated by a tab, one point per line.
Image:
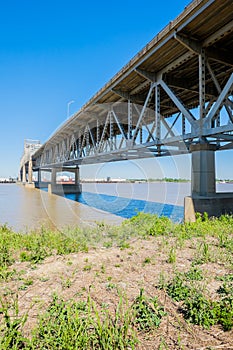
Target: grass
83	323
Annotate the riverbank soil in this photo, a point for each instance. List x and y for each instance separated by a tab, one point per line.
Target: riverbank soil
159	266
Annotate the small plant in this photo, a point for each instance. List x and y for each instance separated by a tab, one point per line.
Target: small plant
147	261
11	327
124	245
148	313
110	286
44	279
172	256
202	217
176	289
26	284
87	267
203	254
200	311
36	255
225	278
163	345
194	274
103	269
5	256
162	281
225	312
107	244
66	283
226	289
6	274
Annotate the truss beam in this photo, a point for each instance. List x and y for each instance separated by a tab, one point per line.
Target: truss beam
176	93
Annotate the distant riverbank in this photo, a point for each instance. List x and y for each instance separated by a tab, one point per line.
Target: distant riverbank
120	180
4	181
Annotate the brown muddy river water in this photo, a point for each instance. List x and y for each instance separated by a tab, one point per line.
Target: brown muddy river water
24	209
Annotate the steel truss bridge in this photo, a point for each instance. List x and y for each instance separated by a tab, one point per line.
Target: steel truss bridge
175	96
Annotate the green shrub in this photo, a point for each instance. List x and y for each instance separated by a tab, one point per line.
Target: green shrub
148	313
176	289
200	311
194	274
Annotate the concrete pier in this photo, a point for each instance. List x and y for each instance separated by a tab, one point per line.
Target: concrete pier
63	188
24	180
216	205
30	171
54	186
41	183
203	169
204	197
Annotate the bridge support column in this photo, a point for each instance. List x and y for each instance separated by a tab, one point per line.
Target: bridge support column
30	171
203	183
77	176
203	170
20	176
39	176
24	180
30	183
63	188
54	176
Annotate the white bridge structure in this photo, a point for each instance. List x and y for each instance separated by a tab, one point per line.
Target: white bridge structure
174	97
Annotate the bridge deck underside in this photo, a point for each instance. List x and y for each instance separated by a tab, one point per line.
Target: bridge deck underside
174	93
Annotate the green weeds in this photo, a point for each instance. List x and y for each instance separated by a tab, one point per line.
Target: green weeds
34	247
200	311
82	325
204	312
26	282
75	324
148	313
172	256
176	288
11	325
147	260
194	274
195	306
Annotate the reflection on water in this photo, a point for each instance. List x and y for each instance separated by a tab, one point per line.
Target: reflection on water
127	207
160	192
127	199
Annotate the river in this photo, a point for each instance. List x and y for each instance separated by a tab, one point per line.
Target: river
24	209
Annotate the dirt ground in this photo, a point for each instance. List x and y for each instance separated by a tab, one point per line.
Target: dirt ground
103	272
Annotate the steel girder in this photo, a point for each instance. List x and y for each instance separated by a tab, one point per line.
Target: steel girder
188	100
125	130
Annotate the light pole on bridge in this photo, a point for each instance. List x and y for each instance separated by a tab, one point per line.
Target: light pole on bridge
68	108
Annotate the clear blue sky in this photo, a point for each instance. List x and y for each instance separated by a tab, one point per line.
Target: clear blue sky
52	52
